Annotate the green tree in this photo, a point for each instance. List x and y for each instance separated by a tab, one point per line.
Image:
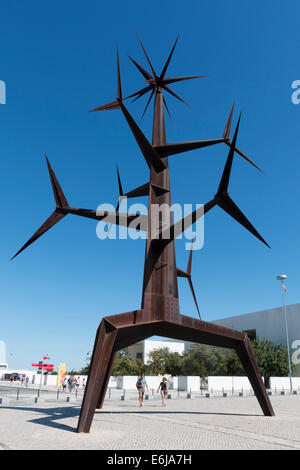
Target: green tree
123	365
272	359
174	364
204	360
157	361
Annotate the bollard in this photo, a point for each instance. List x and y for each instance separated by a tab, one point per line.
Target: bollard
178	393
224	394
169	396
57	394
70	398
152	391
208	395
109	392
295	392
38	399
18	393
4	400
269	392
123	396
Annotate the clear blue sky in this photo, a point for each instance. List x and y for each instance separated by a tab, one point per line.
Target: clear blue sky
58	61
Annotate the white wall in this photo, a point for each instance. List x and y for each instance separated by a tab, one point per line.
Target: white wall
237	383
187	383
280	382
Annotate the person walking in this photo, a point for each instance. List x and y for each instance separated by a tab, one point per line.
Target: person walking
141	385
70	383
64	384
163	387
77	383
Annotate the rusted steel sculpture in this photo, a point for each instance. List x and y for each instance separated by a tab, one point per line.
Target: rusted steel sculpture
159	313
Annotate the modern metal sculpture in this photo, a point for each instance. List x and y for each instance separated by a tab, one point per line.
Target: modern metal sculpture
159	313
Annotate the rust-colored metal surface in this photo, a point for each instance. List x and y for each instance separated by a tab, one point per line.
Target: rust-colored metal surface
159	313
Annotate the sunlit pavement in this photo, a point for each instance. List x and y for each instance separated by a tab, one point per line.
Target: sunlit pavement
199	423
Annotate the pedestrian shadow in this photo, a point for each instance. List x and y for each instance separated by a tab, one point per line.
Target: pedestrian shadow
51	416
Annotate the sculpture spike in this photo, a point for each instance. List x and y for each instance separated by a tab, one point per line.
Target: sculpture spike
174	94
168	60
144	72
56	216
148	102
119	182
227	204
227	170
148	60
166	106
169	80
119	78
226	133
227	141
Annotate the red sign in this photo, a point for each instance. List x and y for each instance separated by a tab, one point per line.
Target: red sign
44	366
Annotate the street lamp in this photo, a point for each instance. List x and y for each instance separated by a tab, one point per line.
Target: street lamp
281	278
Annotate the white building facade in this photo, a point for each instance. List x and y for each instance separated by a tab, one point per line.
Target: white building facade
270	324
142	349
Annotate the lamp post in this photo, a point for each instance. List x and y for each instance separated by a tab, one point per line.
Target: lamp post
281	278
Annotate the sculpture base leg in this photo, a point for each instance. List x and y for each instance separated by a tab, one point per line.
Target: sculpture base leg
247	358
100	369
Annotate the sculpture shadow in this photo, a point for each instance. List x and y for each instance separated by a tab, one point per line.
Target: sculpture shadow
51	416
174	412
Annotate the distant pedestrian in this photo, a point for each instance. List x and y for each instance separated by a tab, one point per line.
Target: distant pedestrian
11	379
83	385
74	383
77	383
70	383
64	384
163	387
141	385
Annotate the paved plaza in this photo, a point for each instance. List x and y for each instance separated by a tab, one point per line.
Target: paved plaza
184	424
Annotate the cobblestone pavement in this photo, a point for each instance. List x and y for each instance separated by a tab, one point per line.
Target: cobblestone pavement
200	423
